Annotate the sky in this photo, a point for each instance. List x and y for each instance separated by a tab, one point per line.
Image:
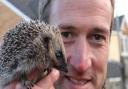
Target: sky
121	7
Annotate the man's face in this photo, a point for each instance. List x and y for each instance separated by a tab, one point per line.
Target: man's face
85	27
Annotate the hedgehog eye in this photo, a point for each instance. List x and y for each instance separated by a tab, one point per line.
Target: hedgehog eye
58	54
46	39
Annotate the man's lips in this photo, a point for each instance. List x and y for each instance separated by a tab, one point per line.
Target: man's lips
79	81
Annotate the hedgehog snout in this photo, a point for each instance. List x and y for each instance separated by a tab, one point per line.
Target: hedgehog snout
61	61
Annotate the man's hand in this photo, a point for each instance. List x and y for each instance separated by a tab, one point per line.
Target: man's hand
48	82
45	83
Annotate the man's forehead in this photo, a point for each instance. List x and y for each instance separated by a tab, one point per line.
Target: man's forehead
58	5
107	3
79	6
79	12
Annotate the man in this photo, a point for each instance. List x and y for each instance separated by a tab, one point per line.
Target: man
86	27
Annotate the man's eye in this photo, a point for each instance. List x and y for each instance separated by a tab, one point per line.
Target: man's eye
98	38
66	34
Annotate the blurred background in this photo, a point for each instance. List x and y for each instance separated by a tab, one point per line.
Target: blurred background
12	11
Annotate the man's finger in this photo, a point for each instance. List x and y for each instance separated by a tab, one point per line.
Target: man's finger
48	81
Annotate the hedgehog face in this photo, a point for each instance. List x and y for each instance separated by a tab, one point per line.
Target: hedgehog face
53	44
59	58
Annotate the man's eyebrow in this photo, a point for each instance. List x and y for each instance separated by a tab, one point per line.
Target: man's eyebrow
67	27
101	30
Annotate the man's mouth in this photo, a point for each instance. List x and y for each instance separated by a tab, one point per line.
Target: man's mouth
78	81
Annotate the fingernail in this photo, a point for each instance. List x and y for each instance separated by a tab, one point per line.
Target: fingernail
55	74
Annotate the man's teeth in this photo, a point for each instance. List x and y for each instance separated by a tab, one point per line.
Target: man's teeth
79	82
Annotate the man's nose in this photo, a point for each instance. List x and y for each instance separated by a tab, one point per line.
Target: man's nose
81	58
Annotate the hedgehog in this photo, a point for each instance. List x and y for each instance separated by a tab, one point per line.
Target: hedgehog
29	46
